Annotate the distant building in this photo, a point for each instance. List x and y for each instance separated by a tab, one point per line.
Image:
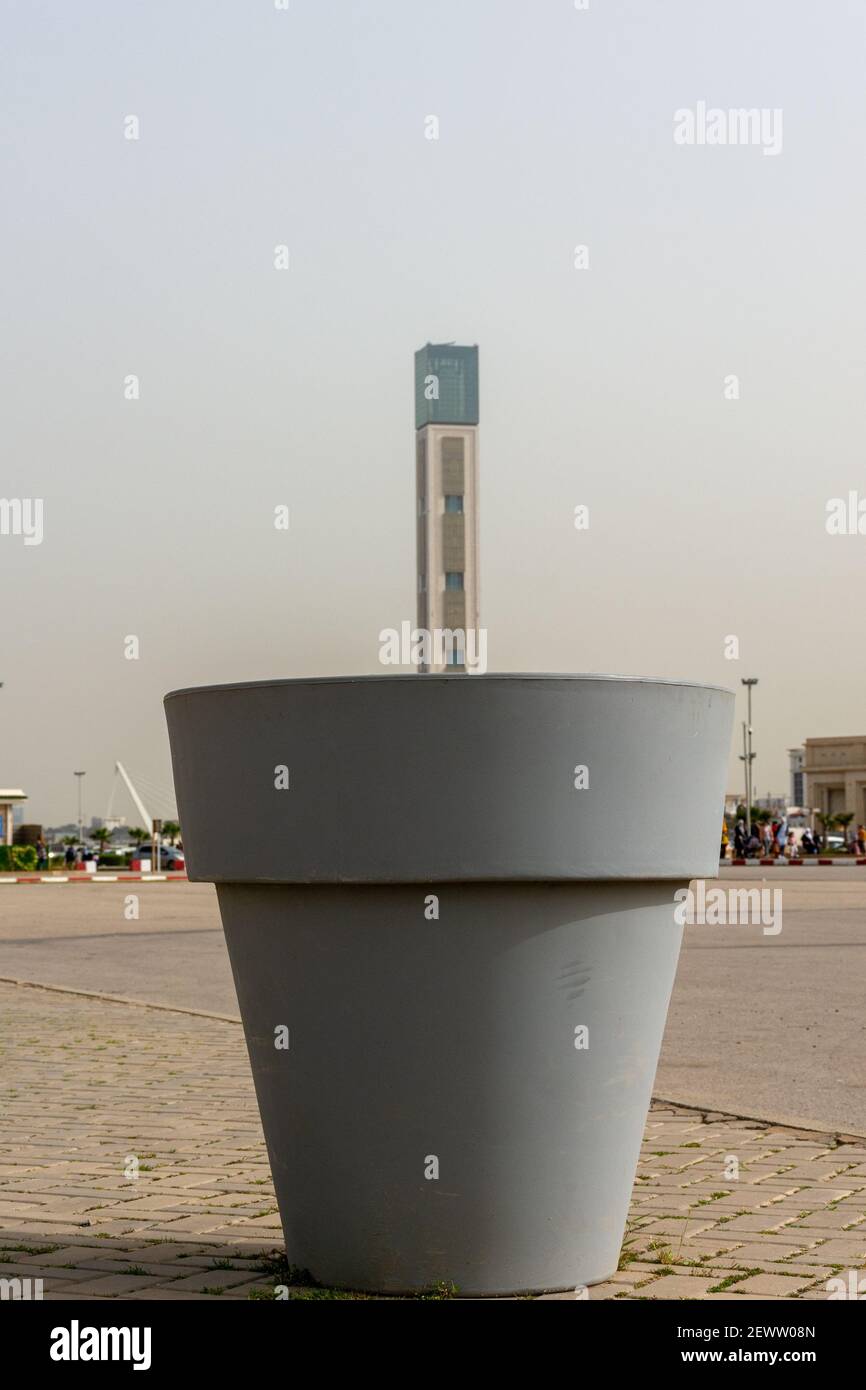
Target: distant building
777	806
446	465
29	834
10	801
834	771
797	758
111	823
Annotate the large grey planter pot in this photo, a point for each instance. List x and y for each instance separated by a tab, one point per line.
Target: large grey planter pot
431	914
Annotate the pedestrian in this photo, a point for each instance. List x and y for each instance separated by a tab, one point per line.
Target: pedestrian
861	839
723	852
739	839
781	835
41	854
766	839
69	856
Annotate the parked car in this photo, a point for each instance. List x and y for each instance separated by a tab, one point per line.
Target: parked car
169	857
834	841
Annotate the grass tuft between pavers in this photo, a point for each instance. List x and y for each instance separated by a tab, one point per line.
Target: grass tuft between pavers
300	1284
736	1278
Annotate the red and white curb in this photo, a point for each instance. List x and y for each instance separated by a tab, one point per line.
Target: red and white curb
93	878
781	862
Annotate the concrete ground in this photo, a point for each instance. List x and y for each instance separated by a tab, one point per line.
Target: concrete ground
132	1163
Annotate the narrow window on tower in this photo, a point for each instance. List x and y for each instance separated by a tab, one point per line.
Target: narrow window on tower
453	502
453	579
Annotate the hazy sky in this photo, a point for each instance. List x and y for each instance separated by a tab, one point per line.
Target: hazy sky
259	387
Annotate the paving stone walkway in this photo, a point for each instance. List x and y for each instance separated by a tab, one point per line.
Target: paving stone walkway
132	1166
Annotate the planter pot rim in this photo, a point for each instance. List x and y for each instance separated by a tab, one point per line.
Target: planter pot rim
425	779
446	677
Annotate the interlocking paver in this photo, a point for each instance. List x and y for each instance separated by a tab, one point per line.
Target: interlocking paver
775	1285
841	1251
763	1252
106	1285
97	1085
205	1279
677	1286
828	1222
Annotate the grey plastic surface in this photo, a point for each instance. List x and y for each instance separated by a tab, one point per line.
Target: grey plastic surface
415	1037
454	1039
430	778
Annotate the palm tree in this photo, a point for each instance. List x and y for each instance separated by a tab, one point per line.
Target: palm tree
136	834
843	820
170	830
102	836
828	819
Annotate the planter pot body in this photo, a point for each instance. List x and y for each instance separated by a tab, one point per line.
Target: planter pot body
431	909
454	1040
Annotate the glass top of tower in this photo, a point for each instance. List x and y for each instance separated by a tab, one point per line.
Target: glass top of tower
446	385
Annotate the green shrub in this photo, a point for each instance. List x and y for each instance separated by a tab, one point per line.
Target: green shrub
21	857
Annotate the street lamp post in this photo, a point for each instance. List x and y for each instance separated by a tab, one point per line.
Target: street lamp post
748	682
79	775
744	759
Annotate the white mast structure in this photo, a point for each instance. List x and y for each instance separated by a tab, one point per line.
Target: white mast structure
146	818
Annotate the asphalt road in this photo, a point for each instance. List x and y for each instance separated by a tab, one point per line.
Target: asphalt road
78	935
774	1026
771	1026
